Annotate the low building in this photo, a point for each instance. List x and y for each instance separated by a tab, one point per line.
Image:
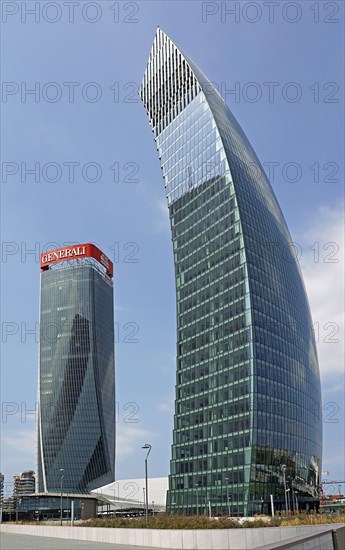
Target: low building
47	506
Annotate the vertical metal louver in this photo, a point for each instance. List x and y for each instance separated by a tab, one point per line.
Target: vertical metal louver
168	85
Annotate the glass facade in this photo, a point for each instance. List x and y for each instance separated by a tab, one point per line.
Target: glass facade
46	507
248	399
76	387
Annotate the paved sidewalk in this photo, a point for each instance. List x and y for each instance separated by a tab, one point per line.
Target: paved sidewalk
28	542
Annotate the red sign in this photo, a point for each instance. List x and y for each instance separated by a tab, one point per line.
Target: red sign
77	251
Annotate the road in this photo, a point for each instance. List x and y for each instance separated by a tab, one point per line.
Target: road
9	541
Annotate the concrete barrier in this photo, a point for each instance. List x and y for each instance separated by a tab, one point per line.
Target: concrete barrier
188	539
320	541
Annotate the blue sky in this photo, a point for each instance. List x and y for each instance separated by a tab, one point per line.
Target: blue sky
287	93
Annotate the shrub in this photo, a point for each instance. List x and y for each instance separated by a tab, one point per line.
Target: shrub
167	521
164	521
317	519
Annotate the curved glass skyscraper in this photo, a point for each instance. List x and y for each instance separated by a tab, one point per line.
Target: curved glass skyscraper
248	403
76	386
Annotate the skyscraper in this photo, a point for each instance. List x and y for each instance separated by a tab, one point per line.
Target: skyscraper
2	478
23	484
247	419
76	383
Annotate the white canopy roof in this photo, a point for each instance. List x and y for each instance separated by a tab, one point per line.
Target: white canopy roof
130	492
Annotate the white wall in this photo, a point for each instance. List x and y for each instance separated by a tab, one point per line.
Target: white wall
206	539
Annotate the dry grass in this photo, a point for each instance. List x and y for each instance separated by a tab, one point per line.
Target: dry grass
165	521
317	519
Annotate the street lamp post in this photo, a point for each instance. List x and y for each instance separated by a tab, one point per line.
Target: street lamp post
197	498
297	510
115	499
283	468
291	505
262	505
227	496
146	446
62	472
